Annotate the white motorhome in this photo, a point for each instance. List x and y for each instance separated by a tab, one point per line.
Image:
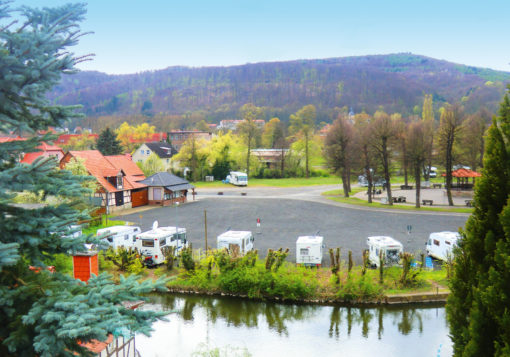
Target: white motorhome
390	248
238	178
243	239
309	250
440	244
151	243
119	236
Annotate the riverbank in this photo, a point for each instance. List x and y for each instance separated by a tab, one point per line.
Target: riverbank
255	279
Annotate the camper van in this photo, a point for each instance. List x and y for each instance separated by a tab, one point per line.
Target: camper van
238	178
243	239
391	250
440	244
151	243
119	236
309	250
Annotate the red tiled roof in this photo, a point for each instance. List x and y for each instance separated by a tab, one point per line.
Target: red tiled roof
96	346
31	156
101	167
98	167
127	165
6	139
64	138
465	173
130	169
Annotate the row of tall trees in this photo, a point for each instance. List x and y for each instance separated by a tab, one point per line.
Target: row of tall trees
375	145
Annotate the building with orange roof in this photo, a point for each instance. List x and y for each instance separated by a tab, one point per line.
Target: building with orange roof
64	138
46	150
117	176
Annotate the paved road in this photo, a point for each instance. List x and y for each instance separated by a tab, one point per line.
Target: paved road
288	213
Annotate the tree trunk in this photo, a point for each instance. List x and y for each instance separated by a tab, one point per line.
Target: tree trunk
404	162
282	163
386	165
369	181
449	149
367	172
306	156
417	179
345	182
248	157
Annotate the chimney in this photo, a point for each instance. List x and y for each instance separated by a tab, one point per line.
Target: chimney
85	264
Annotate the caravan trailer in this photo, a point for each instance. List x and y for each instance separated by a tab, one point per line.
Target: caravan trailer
243	239
309	250
440	244
119	236
391	250
151	243
237	178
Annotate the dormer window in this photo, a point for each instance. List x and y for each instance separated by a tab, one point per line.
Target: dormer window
119	180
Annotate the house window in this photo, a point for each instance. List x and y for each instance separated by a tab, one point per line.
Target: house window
156	192
168	196
119	181
148	152
141	152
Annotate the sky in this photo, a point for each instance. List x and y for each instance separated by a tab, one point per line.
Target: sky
132	36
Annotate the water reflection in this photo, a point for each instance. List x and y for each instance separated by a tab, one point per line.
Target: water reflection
266	329
245	313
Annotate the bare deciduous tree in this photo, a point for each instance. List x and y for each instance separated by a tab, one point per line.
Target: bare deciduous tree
449	128
384	131
417	149
338	149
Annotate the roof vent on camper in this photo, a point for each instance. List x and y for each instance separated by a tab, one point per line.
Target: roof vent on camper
155	225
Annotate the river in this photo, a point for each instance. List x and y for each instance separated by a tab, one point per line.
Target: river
198	323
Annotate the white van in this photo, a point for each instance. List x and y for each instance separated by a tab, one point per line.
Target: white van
238	178
309	250
119	236
440	244
151	243
243	239
390	248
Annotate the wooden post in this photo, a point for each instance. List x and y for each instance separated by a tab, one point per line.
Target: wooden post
205	226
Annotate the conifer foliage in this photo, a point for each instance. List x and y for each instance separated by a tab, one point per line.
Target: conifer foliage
108	144
478	308
44	313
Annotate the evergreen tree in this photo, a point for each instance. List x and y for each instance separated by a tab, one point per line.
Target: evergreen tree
478	307
108	144
44	313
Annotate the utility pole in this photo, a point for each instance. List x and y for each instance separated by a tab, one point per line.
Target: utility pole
205	226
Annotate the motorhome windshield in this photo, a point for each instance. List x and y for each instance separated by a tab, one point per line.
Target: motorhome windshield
242	178
392	255
147	242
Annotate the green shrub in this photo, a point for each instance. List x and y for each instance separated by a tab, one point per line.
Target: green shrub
63	263
359	289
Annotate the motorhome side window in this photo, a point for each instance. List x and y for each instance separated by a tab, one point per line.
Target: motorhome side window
126	237
303	251
147	243
436	242
162	242
173	238
446	242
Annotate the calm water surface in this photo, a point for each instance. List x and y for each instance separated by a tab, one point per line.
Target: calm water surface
267	329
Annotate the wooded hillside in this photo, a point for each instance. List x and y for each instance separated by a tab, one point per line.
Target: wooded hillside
397	82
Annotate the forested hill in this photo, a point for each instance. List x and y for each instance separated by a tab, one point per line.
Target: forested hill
396	82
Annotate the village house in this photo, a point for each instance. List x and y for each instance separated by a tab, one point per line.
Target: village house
270	158
45	150
163	150
117	176
231	124
65	138
166	189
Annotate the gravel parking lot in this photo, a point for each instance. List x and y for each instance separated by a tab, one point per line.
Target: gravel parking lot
283	220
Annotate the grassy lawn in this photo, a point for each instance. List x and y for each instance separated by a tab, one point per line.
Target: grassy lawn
337	195
285	182
93	229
